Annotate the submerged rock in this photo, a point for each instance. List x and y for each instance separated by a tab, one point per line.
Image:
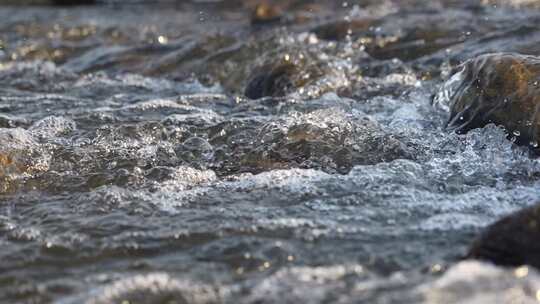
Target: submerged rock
501	88
19	157
274	81
471	282
329	140
511	241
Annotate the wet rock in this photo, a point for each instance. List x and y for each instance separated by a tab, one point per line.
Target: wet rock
266	13
51	127
19	157
501	88
304	284
307	72
470	282
511	241
328	140
272	81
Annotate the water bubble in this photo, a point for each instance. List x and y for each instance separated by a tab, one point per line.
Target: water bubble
202	16
521	272
163	40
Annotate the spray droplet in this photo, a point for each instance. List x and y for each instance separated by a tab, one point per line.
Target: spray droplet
163	40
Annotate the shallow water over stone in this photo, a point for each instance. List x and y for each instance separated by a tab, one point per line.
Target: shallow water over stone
134	167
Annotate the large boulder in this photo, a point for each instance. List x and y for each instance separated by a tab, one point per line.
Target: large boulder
501	88
512	241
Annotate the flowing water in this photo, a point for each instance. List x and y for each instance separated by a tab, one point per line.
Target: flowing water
134	169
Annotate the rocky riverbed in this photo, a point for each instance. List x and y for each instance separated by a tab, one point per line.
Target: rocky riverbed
269	152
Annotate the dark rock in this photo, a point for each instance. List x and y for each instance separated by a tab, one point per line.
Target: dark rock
336	147
501	88
512	241
273	81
